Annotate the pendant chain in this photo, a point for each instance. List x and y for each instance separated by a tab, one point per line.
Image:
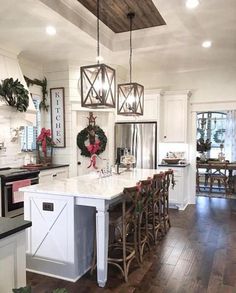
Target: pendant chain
98	32
130	44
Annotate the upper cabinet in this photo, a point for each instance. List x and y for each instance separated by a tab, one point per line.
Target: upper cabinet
174	117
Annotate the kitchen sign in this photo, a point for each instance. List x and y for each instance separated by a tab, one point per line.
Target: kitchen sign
58	116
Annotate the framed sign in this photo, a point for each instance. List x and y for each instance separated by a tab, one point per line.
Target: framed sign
58	116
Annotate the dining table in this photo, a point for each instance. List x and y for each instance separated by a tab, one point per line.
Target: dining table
229	167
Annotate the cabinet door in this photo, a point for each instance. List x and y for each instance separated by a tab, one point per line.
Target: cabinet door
175	119
176	194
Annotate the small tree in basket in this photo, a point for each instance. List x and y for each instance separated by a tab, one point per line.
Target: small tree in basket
45	145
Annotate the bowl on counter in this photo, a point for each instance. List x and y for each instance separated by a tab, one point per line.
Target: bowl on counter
171	160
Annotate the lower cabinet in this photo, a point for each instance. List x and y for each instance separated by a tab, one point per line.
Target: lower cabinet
51	174
178	195
12	262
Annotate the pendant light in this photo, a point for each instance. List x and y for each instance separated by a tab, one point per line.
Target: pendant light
98	81
130	95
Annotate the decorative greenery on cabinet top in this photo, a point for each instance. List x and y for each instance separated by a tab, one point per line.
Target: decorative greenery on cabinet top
43	83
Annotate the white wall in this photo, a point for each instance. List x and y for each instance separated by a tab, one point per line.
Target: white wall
207	84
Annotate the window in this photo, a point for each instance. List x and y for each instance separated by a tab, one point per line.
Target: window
211	126
30	133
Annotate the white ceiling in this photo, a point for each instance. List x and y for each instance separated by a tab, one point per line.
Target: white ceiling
174	47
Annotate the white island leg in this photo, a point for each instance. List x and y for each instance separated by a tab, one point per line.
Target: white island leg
102	223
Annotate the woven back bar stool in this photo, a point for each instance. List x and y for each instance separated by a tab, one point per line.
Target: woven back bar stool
156	206
123	221
167	181
145	187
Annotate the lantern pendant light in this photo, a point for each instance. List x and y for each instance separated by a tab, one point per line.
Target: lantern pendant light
98	81
130	95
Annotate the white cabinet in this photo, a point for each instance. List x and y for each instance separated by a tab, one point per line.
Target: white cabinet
174	118
60	241
178	196
12	262
52	174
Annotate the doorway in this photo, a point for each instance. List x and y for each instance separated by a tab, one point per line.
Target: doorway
214	178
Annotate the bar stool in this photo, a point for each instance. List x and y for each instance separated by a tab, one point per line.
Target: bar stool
123	224
155	215
145	187
168	179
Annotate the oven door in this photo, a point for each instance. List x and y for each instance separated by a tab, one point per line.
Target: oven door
11	209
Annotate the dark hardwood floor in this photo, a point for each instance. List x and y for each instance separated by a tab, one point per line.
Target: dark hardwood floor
197	255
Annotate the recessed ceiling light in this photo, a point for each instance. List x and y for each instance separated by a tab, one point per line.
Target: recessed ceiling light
50	30
206	44
191	4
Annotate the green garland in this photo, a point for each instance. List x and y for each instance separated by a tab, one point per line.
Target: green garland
83	136
43	83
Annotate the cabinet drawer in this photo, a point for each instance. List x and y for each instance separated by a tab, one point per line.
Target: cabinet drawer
52	174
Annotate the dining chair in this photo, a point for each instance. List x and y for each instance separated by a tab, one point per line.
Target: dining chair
219	173
202	175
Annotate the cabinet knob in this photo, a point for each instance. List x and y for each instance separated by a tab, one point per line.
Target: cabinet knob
78	163
164	136
54	175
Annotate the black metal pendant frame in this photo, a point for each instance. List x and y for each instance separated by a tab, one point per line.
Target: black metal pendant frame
130	99
98	86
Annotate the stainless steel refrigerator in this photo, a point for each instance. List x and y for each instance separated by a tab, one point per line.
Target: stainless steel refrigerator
140	138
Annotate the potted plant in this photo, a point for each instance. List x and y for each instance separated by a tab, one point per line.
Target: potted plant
45	147
202	147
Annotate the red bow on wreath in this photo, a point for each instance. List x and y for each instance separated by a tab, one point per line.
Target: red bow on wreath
93	148
45	139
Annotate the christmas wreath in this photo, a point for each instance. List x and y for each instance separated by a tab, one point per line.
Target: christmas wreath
217	134
96	146
91	141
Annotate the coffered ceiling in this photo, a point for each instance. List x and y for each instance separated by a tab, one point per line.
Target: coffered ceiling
114	13
173	47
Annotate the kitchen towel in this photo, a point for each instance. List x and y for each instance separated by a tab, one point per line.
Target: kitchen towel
18	196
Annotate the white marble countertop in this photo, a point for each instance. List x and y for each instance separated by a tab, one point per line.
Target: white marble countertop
90	186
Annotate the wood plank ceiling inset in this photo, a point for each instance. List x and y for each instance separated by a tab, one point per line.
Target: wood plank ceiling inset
113	13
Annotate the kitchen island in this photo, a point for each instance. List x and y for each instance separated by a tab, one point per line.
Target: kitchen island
60	242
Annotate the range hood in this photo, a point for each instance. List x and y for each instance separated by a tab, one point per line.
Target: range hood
9	67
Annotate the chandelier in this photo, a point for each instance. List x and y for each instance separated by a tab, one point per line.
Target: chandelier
130	95
205	123
98	81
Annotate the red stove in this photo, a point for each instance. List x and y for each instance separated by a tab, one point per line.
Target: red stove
11	200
